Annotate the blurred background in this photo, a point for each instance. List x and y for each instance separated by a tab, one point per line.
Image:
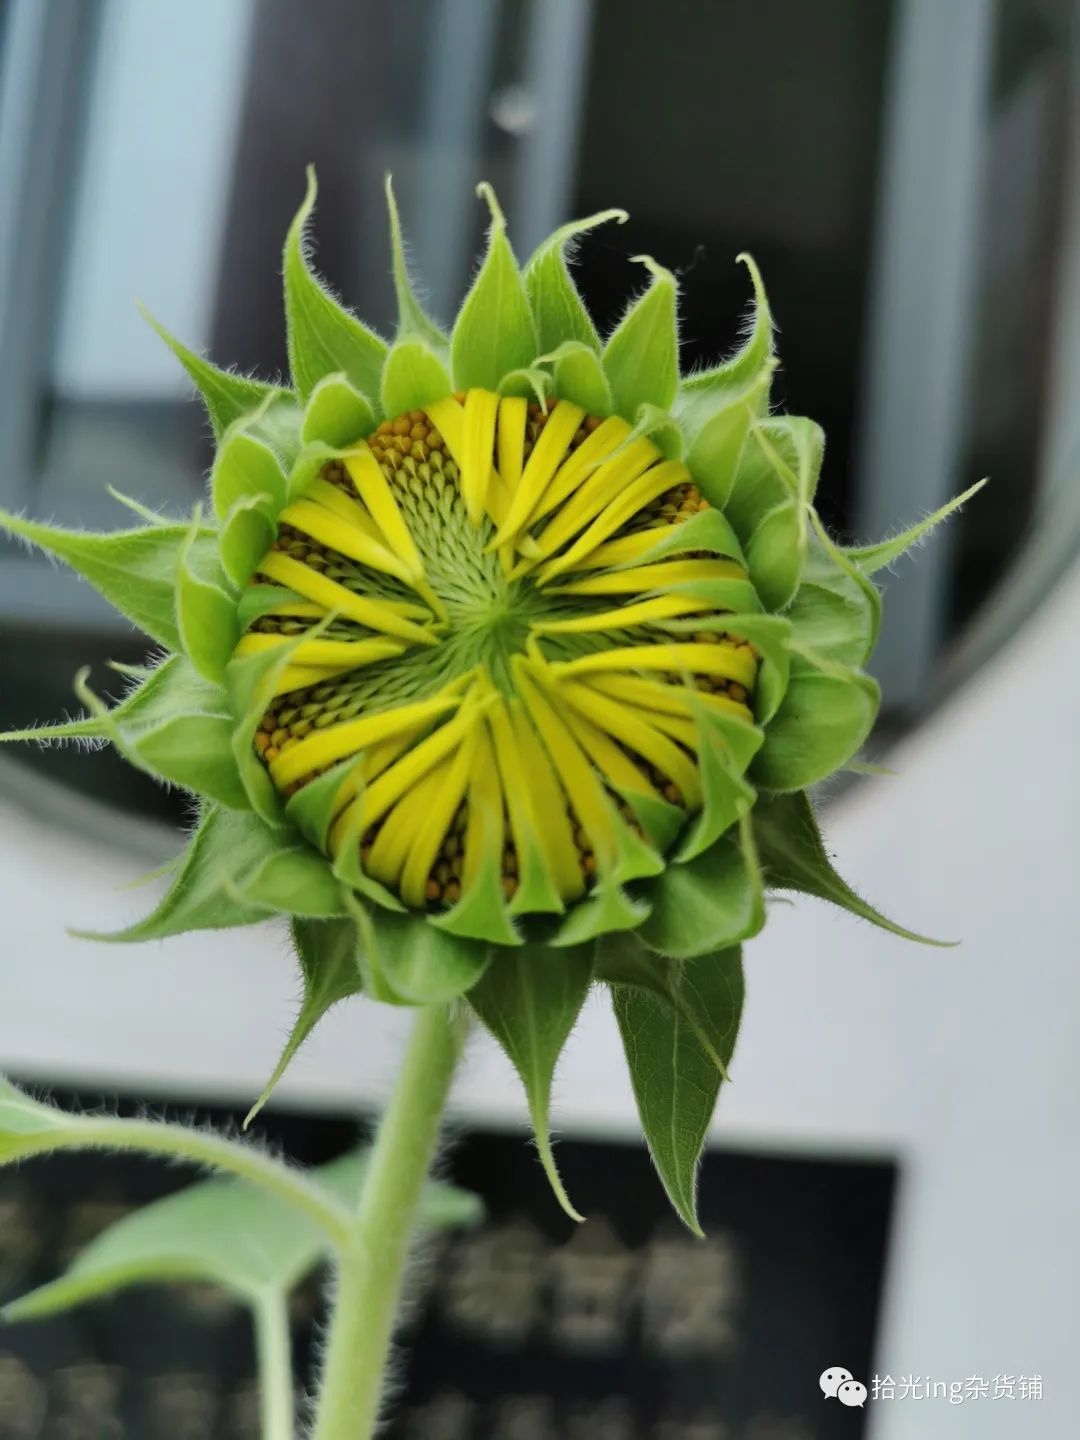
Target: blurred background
890	1187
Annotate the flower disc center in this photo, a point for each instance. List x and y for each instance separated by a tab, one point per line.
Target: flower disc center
504	630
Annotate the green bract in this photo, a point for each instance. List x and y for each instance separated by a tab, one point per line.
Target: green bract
500	662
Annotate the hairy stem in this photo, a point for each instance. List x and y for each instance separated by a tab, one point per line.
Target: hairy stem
151	1137
372	1269
277	1404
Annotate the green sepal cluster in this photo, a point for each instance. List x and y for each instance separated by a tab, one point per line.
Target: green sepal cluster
664	930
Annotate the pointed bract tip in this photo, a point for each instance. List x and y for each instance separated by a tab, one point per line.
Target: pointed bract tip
307	205
745	258
158	328
551	1170
660	273
486	192
392	209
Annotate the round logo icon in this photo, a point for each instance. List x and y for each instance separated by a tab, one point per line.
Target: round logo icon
832	1379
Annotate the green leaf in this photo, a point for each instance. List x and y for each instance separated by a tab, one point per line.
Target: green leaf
558	311
706	1007
793	857
323	337
606	909
291	880
661	428
708	903
336	415
578	375
493	333
228	397
832	614
327	952
726	744
405	959
871	558
530	1000
412	318
225	1231
707	530
532	384
413	377
135	570
641	360
822	720
246	535
313	809
236	871
251	682
198	898
174	725
206	616
675	1079
245	467
277	425
717	439
770	635
769	503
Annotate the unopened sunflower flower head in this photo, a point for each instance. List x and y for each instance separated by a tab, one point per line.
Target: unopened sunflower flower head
500	661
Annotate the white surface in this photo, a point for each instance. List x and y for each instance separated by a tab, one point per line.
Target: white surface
965	1061
165	104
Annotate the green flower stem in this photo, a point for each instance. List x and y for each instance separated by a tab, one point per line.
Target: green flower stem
151	1137
372	1270
273	1345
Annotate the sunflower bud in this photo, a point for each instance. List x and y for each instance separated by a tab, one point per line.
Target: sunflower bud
501	662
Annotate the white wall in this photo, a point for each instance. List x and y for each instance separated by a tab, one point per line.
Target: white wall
965	1061
150	204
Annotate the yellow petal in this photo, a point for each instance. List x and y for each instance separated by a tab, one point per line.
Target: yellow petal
448	417
576	774
435	821
613	478
338	534
398	831
535	802
333	497
325	747
384	792
486	825
721	658
625	502
664	699
386	615
647	694
588	457
478	445
298	610
623	551
547	455
643	612
633	729
610	759
347	654
513	412
333	655
652	577
371	484
299	677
